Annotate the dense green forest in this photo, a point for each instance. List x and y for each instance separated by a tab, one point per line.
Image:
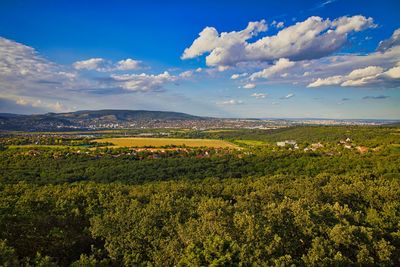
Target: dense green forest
261	205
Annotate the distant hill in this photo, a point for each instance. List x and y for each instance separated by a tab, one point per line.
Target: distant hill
88	119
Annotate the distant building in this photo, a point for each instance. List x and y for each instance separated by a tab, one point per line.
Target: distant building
287	142
281	144
291	142
362	149
316	146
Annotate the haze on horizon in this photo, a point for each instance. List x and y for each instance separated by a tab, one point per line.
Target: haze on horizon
315	59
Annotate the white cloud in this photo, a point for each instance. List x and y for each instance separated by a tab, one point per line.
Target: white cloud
310	39
277	24
209	39
344	25
237	76
24	73
186	74
279	65
393	73
249	86
37	103
334	80
222	68
365	72
288	96
280	25
20	62
102	65
31	83
144	82
259	95
394	40
360	77
230	102
333	70
90	64
25	102
128	64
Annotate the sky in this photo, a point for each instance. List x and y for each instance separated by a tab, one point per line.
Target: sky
247	59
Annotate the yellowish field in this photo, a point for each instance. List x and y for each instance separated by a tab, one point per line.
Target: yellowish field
158	142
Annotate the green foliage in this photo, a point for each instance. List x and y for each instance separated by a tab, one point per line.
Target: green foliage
260	208
273	220
8	256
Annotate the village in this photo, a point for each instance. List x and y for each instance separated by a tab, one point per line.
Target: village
346	143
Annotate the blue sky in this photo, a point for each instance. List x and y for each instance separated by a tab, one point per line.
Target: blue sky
215	58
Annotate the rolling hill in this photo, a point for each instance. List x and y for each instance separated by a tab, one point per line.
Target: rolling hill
87	119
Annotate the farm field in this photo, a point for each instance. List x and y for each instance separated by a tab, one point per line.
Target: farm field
158	142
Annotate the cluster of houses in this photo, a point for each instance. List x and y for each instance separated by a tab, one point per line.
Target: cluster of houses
346	143
290	143
293	145
314	147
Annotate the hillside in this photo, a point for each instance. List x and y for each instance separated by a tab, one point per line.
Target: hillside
87	119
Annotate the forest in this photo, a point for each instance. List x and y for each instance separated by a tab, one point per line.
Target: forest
333	199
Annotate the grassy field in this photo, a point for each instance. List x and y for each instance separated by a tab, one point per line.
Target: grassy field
250	142
158	142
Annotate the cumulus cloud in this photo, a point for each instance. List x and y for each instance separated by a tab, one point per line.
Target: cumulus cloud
344	25
90	64
128	64
249	86
394	40
259	95
393	73
186	74
333	70
24	72
21	62
237	75
102	65
32	83
143	82
360	77
277	24
209	39
327	81
230	102
38	103
310	39
279	66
